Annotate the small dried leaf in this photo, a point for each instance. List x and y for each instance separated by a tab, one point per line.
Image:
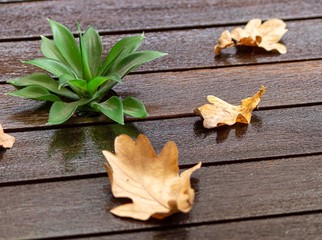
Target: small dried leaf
224	41
152	181
6	141
219	112
256	34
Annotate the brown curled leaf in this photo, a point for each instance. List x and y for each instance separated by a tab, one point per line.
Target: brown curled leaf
219	112
151	181
6	141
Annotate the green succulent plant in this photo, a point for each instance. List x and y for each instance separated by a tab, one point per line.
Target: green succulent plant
81	80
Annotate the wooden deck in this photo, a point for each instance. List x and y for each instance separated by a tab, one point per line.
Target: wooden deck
262	181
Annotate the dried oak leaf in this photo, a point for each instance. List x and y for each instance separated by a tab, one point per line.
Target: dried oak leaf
219	112
6	141
152	181
266	35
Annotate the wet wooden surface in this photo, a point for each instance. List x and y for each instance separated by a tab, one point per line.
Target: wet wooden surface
261	181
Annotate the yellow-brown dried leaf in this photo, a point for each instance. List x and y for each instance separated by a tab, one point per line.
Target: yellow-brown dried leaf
6	141
256	34
219	112
224	41
151	181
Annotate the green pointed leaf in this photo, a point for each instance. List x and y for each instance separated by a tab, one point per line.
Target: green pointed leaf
51	66
93	45
49	50
120	50
95	83
61	111
64	78
105	88
35	93
84	55
134	107
43	80
134	60
112	108
78	85
66	44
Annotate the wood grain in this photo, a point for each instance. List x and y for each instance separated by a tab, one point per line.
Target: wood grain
174	94
307	226
186	48
225	192
77	151
29	19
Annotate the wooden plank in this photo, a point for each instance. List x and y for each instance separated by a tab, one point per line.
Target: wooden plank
77	151
29	19
227	192
194	51
307	226
173	94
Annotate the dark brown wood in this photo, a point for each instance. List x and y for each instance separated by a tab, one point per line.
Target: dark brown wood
225	192
258	181
173	94
307	226
77	151
29	19
186	48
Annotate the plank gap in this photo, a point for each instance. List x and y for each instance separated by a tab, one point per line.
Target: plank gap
20	1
